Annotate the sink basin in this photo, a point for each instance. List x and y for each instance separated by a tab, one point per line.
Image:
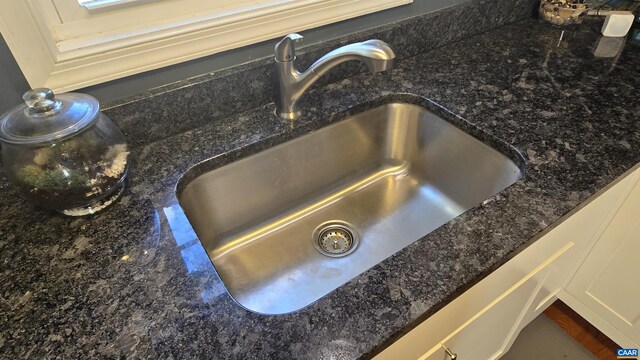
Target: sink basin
288	225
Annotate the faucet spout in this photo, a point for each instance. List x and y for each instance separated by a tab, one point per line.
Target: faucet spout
292	84
375	54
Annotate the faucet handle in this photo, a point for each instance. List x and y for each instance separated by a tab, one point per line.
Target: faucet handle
285	49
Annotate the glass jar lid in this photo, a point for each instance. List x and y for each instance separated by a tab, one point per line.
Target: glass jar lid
46	117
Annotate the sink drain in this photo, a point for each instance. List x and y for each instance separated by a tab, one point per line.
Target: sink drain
336	238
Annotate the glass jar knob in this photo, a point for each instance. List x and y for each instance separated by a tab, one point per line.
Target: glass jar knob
41	100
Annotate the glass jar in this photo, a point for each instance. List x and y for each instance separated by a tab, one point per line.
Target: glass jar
63	153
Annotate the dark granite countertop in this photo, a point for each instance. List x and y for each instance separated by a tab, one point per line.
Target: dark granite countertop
134	281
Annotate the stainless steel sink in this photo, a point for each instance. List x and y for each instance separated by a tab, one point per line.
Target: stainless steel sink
288	225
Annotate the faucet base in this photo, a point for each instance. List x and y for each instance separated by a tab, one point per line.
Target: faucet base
288	115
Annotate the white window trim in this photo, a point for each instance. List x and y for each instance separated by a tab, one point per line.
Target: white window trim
100	5
45	63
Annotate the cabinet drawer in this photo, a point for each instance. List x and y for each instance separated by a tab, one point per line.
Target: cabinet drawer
490	333
485	336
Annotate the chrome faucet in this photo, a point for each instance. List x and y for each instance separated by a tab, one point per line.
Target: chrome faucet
292	84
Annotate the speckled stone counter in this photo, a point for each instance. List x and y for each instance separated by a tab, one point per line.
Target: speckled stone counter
135	282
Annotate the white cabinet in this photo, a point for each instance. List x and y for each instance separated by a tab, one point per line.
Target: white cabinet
606	287
483	322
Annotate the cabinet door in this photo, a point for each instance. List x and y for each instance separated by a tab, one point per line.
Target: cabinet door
608	282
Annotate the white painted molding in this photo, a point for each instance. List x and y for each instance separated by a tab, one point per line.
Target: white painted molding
63	66
95	6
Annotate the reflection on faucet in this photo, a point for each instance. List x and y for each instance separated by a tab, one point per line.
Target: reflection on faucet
292	84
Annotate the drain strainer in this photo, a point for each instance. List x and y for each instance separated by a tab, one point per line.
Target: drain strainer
336	238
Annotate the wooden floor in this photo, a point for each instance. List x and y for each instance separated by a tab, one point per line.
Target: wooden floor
580	329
